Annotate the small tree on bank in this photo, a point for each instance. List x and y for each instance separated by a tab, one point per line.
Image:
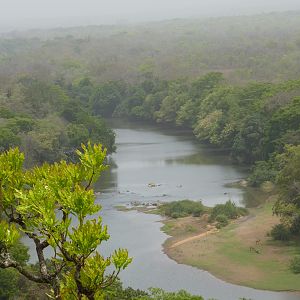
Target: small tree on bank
52	205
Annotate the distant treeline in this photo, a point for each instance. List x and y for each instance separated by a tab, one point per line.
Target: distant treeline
263	47
252	122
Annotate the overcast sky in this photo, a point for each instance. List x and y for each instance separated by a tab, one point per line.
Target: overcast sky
15	14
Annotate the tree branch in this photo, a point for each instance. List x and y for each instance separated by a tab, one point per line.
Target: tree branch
7	262
40	246
91	179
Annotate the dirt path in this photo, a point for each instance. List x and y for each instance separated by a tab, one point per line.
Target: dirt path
196	237
209	232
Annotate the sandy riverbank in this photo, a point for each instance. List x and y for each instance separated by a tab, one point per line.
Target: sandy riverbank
226	253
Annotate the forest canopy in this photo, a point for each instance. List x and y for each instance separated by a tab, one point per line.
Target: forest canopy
264	47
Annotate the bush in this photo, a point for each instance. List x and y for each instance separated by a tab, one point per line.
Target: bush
197	211
280	232
261	172
222	221
179	209
295	265
295	228
229	209
176	215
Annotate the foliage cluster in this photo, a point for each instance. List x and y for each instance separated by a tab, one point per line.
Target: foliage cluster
280	232
220	213
288	182
180	209
253	121
295	265
119	293
263	171
228	210
222	221
46	123
54	206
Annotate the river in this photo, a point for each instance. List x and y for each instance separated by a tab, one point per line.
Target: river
182	169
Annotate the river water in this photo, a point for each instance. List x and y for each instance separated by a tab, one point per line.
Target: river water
182	169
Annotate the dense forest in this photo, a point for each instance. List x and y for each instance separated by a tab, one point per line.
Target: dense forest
46	123
251	122
233	82
264	47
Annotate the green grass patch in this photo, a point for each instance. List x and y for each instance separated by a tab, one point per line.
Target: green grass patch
167	228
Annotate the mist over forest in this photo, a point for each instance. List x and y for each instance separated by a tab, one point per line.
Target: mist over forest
181	118
263	47
20	15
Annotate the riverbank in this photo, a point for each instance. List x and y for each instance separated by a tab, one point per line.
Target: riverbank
241	253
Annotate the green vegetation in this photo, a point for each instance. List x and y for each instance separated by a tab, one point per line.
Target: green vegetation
183	208
159	294
228	210
246	48
53	205
119	293
220	213
268	269
295	265
46	123
233	82
261	172
10	283
222	221
288	181
280	232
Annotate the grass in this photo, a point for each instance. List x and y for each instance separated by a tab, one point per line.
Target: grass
230	247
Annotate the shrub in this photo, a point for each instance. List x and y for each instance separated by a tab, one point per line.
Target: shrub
295	228
222	221
176	215
280	232
261	172
295	264
197	211
229	209
179	209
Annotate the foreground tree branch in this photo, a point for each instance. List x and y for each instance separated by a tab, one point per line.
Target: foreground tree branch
42	203
7	262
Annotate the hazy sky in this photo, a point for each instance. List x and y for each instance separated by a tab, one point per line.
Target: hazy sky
44	13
